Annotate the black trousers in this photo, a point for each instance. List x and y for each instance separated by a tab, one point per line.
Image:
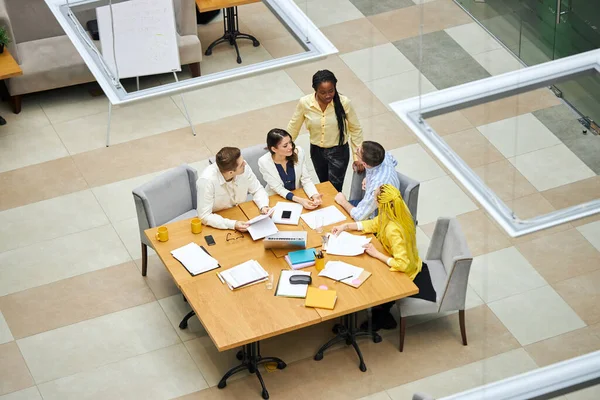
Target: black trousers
331	164
426	290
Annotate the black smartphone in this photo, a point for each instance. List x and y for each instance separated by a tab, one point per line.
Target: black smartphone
209	240
286	215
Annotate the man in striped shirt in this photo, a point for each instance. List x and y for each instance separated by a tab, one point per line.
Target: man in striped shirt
381	168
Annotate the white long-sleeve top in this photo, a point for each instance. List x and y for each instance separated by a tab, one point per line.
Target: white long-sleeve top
215	194
268	169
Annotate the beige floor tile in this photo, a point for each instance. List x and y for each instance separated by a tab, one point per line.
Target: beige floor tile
449	123
302	75
536	315
40	182
414	162
60	258
354	35
482	235
563	347
591	393
561	256
128	123
473	148
325	13
158	278
574	194
504	180
441	197
377	62
140	157
404	23
262	23
582	294
28	148
224	57
498	61
536	100
160	374
49	219
31	393
5	333
388	130
72	102
592	233
473	38
282	47
30	119
468	376
75	299
401	86
377	396
364	100
90	344
14	374
175	309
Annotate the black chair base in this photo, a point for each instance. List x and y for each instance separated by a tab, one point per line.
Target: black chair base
184	322
251	359
347	332
231	33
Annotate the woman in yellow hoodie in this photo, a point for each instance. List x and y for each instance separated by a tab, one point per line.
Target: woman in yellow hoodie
396	231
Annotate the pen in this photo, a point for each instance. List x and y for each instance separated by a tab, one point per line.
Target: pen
343	279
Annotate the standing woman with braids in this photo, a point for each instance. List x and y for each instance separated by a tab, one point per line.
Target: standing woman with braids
332	123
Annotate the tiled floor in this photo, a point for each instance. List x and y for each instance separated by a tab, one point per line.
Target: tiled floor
77	319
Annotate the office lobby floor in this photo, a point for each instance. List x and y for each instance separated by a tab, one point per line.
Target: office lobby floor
78	321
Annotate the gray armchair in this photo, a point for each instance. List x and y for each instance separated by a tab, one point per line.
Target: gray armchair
422	396
170	197
251	155
449	261
408	187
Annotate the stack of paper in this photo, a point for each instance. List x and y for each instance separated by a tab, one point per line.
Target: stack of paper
341	271
329	215
286	289
195	259
300	265
244	274
346	244
294	208
261	226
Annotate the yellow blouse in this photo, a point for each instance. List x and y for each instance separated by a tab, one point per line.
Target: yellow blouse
322	126
403	258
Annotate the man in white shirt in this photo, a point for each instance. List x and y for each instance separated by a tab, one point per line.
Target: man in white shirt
226	184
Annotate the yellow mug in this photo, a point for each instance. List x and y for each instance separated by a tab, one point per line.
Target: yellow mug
162	234
319	263
196	225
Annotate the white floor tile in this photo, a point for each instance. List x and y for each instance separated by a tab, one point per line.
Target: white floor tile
591	233
96	342
468	376
212	363
176	308
5	333
240	96
498	61
536	315
129	233
162	374
28	148
377	62
50	219
518	135
591	393
551	167
503	273
30	119
377	396
330	12
60	258
414	162
473	38
31	393
399	87
441	197
71	102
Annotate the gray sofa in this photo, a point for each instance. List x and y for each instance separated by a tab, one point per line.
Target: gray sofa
49	59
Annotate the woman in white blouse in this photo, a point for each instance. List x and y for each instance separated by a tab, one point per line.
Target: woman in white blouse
284	169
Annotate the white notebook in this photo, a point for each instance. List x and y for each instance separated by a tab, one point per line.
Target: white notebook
286	289
195	259
244	274
294	208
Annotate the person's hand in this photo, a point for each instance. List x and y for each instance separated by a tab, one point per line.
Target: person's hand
358	166
340	198
265	210
241	226
364	184
317	199
370	249
308	204
336	230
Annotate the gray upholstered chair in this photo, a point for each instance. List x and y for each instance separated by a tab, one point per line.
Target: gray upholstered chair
167	198
422	396
408	187
449	261
251	155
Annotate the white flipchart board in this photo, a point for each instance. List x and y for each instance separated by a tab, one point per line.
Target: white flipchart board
145	37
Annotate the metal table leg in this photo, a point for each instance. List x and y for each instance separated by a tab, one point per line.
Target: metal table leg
231	33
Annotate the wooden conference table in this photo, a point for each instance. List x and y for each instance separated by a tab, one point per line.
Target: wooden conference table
244	317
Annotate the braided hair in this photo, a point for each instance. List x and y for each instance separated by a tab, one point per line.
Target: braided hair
393	209
328	76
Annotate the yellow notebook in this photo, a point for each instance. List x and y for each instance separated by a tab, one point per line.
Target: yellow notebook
320	298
